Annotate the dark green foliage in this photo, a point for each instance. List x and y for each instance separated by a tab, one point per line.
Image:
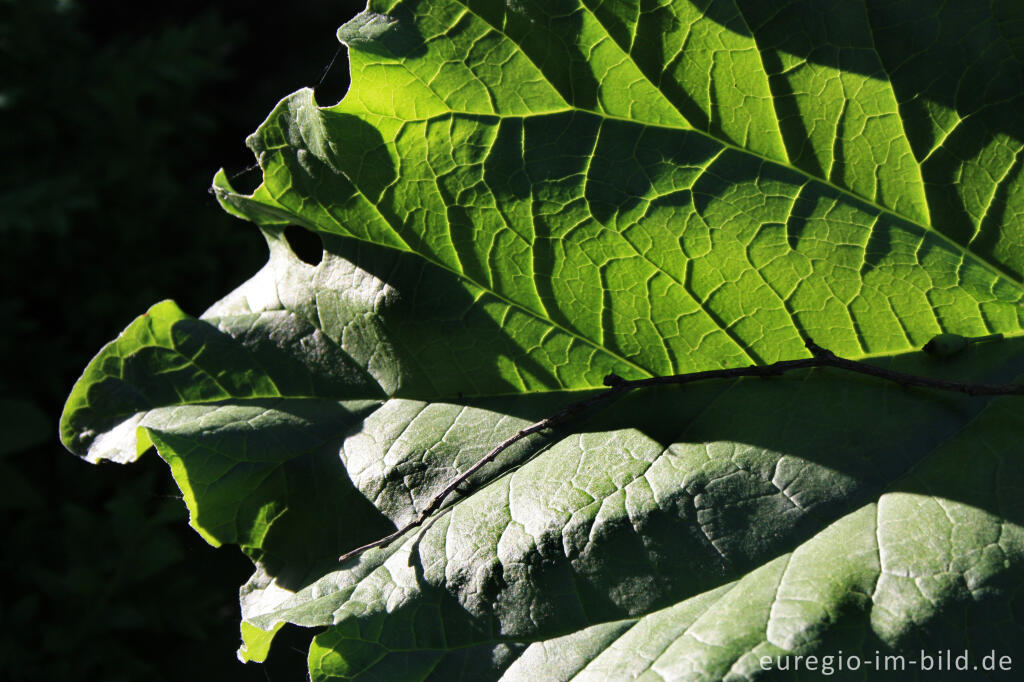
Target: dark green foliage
109	167
114	119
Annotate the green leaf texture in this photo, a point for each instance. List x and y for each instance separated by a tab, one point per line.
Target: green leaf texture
516	199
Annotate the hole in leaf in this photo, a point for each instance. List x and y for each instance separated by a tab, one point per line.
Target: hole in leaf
305	244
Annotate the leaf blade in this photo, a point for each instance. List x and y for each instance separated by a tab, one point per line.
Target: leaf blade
519	199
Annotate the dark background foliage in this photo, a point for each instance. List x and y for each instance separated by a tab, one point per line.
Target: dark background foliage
114	119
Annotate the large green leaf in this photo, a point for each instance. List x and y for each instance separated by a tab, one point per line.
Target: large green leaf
519	198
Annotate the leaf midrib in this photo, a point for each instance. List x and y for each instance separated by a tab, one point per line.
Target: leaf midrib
927	228
958	248
955	246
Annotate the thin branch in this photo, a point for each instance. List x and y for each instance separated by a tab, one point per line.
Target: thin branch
560	417
820	357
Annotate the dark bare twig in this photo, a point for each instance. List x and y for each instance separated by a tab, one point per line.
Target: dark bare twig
820	357
560	417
